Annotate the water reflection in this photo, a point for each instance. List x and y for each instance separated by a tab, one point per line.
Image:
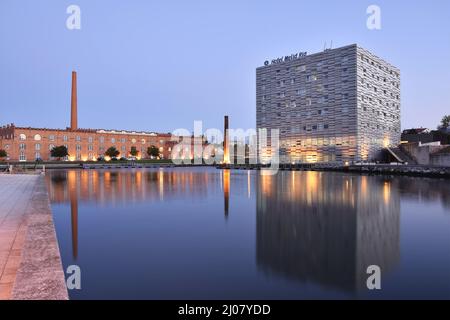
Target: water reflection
327	228
308	227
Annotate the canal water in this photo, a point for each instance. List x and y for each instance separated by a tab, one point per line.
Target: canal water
203	233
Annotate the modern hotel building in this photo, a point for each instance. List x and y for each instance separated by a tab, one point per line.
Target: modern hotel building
338	105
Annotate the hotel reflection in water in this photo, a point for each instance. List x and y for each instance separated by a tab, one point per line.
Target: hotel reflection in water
326	228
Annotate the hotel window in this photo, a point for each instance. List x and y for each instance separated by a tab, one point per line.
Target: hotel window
133	140
90	147
78	156
37	155
22	137
65	138
78	147
78	138
22	157
90	139
90	156
37	137
51	137
37	146
113	140
22	146
102	139
122	140
143	141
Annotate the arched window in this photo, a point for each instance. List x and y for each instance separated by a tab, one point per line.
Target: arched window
22	137
37	137
143	141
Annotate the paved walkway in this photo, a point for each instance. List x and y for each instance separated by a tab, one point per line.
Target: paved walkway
15	195
30	263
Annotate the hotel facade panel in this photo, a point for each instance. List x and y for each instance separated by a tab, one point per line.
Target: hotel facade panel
338	105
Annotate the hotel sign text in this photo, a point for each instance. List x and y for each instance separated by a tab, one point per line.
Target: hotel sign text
292	57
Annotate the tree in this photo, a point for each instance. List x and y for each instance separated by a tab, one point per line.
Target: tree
3	154
134	151
59	152
112	152
445	122
153	151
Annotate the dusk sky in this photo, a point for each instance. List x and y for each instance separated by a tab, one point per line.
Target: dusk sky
160	65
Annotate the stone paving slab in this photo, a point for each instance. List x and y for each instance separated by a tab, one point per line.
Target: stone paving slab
30	263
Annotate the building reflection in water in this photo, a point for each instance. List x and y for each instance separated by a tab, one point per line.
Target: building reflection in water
110	187
327	227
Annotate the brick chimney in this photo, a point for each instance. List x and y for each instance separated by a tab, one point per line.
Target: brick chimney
73	107
226	151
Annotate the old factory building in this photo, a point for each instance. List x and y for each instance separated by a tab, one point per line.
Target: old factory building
29	144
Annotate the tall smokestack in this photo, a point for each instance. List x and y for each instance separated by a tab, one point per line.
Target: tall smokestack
73	107
226	151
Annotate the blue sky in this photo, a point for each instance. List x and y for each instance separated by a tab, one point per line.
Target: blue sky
160	65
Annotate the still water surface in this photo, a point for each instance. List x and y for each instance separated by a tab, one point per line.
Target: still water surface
203	233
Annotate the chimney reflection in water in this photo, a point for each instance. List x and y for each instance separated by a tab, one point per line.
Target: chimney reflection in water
73	194
226	190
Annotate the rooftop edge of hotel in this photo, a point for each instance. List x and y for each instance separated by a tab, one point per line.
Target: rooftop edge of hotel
396	69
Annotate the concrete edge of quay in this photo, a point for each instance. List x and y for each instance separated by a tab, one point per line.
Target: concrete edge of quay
40	275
